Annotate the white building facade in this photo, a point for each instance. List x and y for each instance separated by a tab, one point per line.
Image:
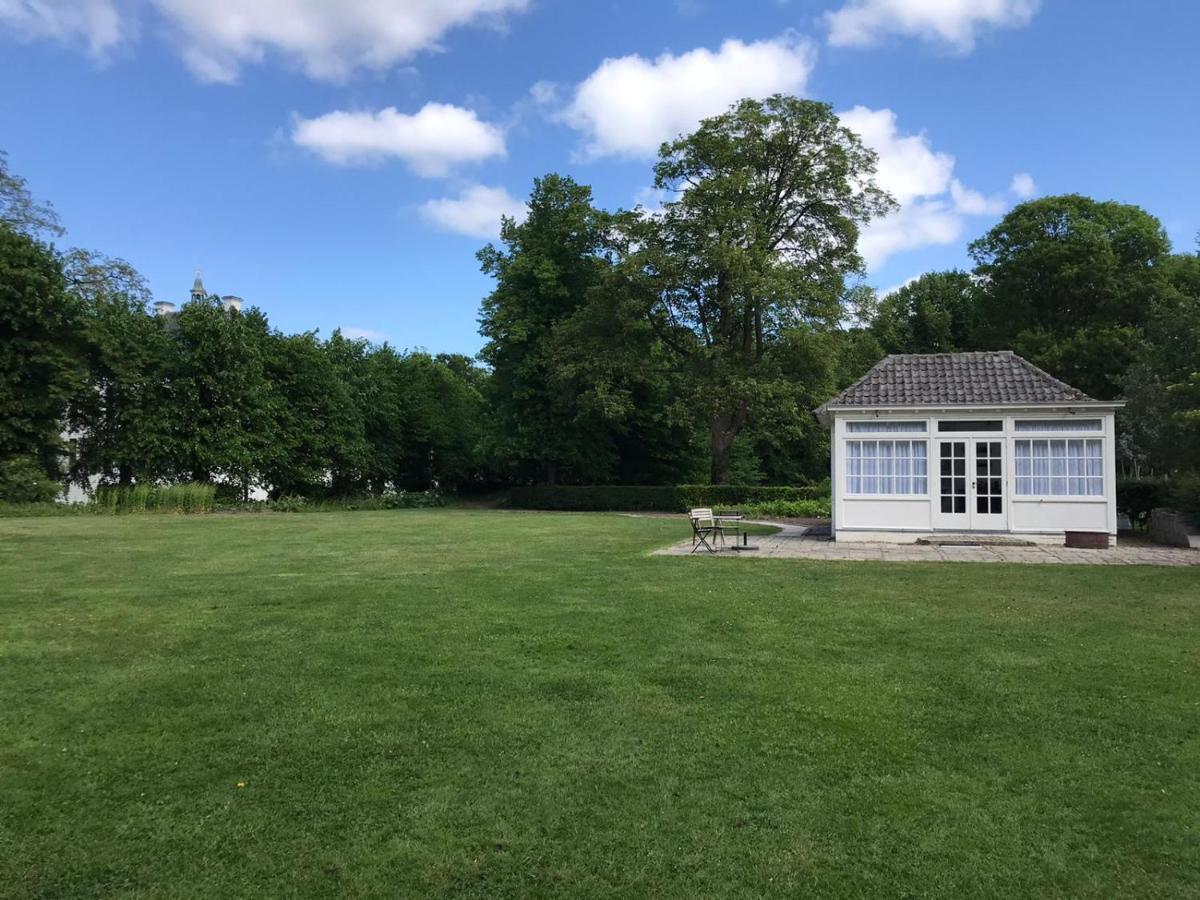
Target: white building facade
969	443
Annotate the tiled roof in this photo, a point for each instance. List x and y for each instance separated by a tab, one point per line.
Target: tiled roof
956	379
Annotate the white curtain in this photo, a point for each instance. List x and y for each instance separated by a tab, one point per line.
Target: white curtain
1044	425
1067	467
870	482
1041	467
886	467
877	427
920	470
854	467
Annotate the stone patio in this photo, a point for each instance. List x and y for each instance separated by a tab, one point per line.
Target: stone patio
808	542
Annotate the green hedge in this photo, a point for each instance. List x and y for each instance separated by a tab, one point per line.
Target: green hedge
666	498
1184	495
785	509
1137	496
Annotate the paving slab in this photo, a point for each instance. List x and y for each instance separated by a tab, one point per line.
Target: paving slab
800	542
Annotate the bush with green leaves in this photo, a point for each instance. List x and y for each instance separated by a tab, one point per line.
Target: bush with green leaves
1137	496
667	498
783	509
1184	495
389	500
22	480
191	497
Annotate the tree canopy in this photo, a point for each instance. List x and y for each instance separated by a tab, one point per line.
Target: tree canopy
678	344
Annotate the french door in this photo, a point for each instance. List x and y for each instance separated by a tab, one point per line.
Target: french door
969	490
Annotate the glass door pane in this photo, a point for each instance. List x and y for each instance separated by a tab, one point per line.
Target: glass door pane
952	476
989	478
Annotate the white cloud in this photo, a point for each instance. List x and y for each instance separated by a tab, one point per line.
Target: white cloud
973	203
329	40
629	106
432	141
544	93
953	23
908	165
934	205
96	24
355	333
887	292
475	212
1023	185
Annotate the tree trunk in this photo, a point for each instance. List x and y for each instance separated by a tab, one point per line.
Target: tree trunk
725	429
124	476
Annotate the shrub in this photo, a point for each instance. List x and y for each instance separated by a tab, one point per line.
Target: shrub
391	500
1137	496
785	509
290	503
139	498
666	498
1183	494
23	481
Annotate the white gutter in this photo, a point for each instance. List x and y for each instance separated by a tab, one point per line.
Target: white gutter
1089	405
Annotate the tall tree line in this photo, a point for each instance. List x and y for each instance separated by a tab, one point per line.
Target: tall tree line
684	343
92	385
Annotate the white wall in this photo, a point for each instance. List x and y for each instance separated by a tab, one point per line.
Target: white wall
1029	515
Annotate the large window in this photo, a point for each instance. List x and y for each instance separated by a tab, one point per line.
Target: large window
887	467
1068	467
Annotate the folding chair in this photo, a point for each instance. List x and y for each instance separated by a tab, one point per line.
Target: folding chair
706	530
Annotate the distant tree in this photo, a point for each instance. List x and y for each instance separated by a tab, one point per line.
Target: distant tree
120	415
311	412
444	415
220	397
349	447
762	231
19	211
544	271
41	364
1174	353
935	313
1070	283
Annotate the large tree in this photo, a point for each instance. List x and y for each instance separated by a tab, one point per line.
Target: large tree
1071	283
41	364
119	417
935	313
20	211
762	230
220	394
544	272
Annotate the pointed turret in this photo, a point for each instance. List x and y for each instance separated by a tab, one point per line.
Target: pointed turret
198	292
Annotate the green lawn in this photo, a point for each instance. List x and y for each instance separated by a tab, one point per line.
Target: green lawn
488	704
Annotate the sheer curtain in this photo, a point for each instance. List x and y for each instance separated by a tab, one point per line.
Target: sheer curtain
1066	467
920	467
887	467
877	427
870	482
1058	425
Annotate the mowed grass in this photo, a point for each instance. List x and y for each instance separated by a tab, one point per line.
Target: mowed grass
490	704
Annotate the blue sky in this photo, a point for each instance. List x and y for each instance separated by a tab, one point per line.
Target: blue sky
340	164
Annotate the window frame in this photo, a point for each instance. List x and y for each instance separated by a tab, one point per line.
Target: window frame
1066	437
893	438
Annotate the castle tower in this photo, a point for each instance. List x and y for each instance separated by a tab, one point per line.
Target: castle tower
198	292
